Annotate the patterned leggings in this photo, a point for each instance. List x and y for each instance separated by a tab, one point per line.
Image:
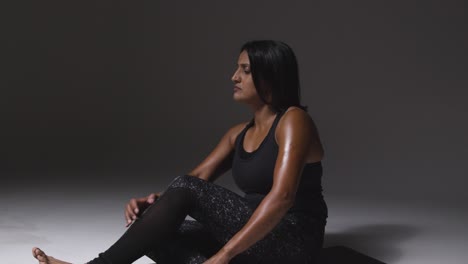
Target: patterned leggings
163	234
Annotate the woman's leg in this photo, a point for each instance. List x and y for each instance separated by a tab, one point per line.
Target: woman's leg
158	222
220	209
222	212
192	244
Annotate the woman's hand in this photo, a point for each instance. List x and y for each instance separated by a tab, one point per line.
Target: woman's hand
220	258
136	206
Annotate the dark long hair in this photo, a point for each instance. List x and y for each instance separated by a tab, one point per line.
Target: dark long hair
274	70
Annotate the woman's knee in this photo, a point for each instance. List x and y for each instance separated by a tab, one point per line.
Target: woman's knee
186	181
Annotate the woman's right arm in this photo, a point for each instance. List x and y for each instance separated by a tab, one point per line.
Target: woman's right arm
220	159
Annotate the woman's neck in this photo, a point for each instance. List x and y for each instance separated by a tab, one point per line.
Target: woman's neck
263	117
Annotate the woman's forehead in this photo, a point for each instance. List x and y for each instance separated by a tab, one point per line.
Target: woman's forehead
243	58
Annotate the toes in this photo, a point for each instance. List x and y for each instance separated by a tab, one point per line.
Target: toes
39	254
36	251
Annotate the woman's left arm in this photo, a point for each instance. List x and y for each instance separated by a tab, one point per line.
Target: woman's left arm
294	137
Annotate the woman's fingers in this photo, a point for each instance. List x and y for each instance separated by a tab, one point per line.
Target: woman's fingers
136	205
151	198
128	214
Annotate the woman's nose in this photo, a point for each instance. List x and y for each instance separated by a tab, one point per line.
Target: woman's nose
235	78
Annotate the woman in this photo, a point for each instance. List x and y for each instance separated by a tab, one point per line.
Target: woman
275	159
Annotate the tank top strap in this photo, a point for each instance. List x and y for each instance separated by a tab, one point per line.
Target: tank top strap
277	118
243	131
272	128
275	122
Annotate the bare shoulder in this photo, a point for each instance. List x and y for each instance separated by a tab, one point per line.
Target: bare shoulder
293	119
296	128
235	130
297	117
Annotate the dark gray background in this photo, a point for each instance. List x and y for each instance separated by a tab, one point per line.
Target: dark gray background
116	94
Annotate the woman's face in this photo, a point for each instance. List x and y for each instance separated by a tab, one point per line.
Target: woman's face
244	88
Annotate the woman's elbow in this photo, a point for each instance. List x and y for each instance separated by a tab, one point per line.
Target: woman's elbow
286	199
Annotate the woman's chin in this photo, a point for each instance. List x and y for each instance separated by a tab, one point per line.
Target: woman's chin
239	100
236	97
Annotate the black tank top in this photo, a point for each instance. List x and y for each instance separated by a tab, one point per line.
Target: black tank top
253	174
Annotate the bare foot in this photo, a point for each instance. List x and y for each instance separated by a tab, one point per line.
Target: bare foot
44	259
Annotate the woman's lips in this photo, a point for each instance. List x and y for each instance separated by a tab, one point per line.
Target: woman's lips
236	88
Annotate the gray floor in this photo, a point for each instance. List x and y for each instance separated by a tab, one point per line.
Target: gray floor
77	225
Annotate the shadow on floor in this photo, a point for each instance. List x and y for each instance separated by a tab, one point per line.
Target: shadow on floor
340	254
380	241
